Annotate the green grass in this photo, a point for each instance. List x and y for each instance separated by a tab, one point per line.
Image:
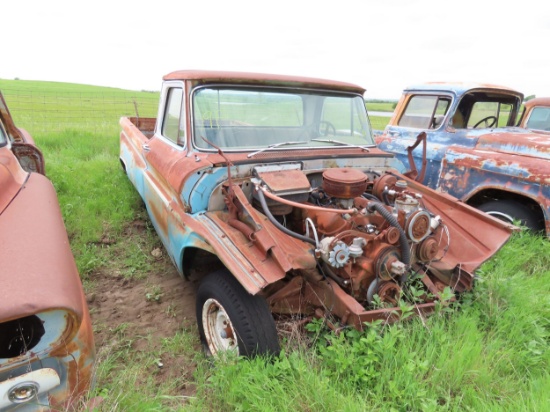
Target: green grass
490	352
381	106
378	123
95	196
43	107
128	380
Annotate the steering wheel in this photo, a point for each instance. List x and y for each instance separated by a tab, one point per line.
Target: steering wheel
491	119
328	128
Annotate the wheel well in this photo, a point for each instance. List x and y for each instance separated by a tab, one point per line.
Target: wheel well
122	164
494	194
192	255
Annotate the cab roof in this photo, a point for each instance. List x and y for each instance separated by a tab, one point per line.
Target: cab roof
244	78
538	101
460	88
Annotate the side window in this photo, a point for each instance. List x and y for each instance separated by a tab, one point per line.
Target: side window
425	112
172	126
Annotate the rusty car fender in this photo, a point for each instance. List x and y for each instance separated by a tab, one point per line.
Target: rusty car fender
256	262
491	233
468	172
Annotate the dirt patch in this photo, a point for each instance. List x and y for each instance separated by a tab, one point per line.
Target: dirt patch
136	314
157	304
141	312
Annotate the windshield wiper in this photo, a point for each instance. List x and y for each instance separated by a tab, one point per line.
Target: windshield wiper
273	146
338	142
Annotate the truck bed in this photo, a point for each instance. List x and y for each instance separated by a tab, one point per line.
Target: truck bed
146	125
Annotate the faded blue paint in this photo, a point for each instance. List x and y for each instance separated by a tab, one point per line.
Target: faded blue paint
402	139
134	174
180	238
493	178
198	188
488	165
526	149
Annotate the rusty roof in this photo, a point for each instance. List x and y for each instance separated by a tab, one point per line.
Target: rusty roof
538	101
461	87
244	78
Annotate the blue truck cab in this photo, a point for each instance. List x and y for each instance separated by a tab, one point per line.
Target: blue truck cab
462	139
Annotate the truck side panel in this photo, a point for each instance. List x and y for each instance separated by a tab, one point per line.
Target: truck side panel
467	172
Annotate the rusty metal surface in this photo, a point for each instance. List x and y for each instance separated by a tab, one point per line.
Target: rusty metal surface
461	87
12	177
213	77
15	134
538	101
40	281
36	252
285	181
30	157
344	183
475	235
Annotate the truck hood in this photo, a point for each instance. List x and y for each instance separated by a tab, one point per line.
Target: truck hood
38	271
516	141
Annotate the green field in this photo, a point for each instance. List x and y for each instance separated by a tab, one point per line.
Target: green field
43	107
489	351
380	106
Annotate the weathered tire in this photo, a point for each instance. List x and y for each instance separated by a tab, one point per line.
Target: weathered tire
225	311
510	210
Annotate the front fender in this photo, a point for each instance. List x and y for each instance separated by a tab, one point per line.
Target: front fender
252	265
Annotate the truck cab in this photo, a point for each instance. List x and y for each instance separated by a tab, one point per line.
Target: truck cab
462	139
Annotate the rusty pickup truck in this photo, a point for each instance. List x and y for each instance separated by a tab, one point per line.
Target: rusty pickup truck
46	345
279	178
462	139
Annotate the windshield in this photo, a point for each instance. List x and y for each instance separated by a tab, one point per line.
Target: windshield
254	118
539	119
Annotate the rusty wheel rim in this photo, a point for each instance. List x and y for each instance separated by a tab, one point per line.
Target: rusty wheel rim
218	329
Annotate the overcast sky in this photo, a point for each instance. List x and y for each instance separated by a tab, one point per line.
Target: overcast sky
382	45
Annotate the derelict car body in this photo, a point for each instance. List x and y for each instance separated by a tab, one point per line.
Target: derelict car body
46	343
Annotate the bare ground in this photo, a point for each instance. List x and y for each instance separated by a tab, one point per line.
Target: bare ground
142	311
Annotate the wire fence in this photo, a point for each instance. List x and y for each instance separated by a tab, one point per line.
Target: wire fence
44	112
54	111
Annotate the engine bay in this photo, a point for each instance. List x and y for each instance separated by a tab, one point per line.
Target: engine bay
370	232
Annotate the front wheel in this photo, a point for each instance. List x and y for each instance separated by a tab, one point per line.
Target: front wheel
232	320
509	211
